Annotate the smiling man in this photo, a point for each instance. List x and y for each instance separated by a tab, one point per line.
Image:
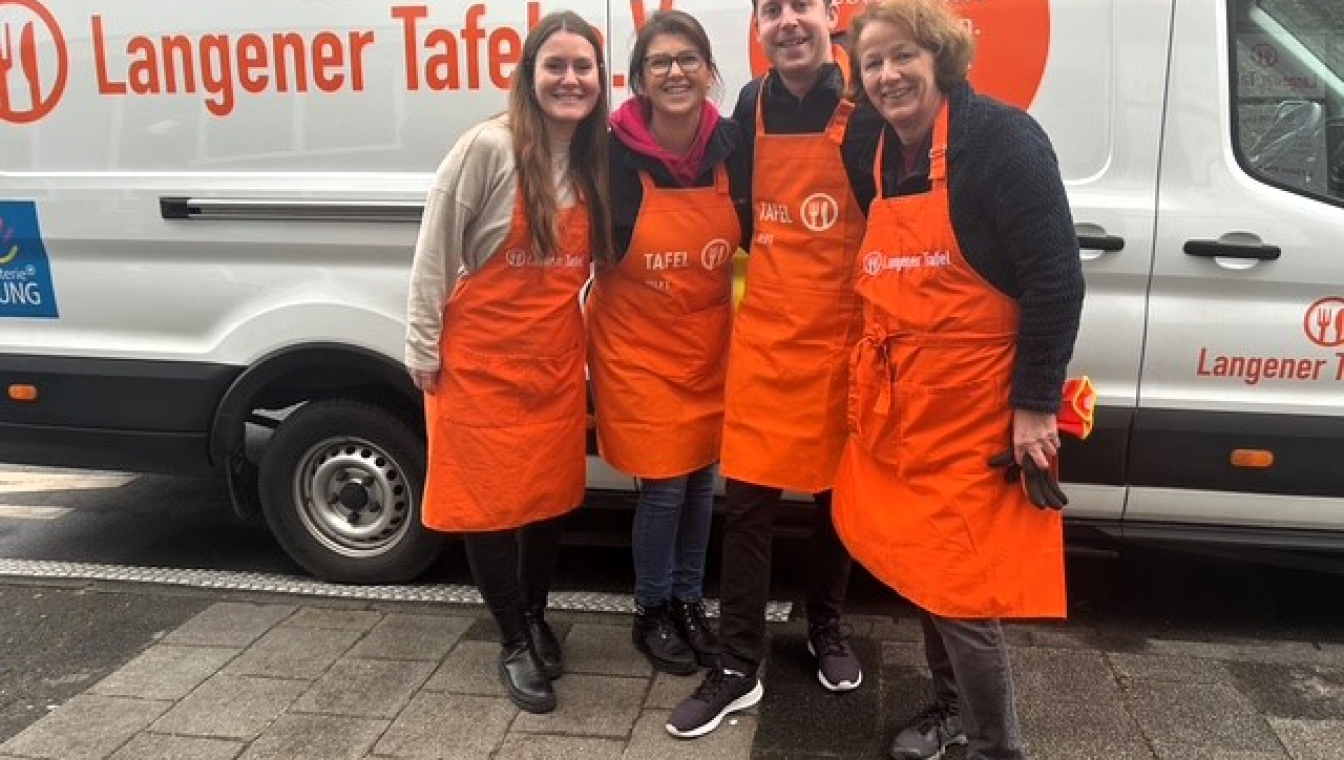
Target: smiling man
811	159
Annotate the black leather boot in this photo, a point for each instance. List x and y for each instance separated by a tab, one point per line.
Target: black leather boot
694	627
522	674
656	636
544	643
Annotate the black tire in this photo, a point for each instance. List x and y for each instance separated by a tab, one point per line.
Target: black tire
341	483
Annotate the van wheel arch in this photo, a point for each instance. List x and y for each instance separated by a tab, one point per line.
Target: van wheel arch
297	374
334	394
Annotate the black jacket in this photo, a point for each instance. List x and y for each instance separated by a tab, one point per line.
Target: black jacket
1011	217
627	194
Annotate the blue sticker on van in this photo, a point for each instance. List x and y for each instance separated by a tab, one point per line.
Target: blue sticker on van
25	273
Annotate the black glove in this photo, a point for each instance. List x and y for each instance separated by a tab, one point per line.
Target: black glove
1040	485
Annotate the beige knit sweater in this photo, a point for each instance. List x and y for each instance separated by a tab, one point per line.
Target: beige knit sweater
467	216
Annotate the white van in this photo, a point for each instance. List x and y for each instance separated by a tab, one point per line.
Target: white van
207	213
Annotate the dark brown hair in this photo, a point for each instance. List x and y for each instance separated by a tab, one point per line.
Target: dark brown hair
587	151
668	22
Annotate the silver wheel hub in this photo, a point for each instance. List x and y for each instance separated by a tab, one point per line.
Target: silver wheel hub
352	497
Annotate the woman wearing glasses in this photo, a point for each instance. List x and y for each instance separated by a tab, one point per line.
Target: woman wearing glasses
659	320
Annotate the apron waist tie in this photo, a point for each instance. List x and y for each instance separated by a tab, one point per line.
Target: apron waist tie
874	349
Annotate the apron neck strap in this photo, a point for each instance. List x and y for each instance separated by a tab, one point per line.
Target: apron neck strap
938	150
937	153
835	128
720	180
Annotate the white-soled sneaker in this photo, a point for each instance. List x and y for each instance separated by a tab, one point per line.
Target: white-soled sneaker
721	693
838	668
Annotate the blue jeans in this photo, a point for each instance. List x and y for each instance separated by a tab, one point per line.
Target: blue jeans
670	536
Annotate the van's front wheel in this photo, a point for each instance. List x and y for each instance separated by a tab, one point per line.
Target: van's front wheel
341	483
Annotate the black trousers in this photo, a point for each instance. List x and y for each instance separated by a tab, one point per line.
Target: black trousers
513	570
744	580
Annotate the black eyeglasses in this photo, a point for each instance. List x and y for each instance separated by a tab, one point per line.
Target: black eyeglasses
661	65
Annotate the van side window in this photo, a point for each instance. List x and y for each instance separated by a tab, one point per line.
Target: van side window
1288	93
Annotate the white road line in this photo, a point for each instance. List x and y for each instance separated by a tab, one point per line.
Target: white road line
40	482
21	512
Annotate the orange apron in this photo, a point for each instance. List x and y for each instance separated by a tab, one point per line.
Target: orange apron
915	501
784	424
658	329
507	438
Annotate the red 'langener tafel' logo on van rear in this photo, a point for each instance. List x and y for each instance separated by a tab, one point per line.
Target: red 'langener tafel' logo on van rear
34	61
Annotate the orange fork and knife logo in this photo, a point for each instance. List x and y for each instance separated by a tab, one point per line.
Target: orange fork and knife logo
1324	322
32	62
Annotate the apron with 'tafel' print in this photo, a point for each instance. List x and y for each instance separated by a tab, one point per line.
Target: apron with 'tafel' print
658	326
784	421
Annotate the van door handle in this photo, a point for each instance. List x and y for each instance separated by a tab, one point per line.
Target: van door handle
1094	241
290	209
1106	243
1213	249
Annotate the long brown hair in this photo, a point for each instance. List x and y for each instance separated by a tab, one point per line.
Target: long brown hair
587	151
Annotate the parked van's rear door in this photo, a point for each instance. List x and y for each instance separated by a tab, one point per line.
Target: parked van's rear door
1241	415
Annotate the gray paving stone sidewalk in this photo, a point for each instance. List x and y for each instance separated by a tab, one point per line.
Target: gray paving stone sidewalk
300	682
318	679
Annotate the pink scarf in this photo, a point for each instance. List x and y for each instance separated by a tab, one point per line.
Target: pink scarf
631	124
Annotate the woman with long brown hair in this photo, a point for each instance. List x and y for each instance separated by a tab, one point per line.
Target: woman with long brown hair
495	337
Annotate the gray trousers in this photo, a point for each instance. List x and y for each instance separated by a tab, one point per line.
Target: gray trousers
969	662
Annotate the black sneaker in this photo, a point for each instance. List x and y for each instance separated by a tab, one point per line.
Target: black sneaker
656	636
929	734
838	668
693	626
722	692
